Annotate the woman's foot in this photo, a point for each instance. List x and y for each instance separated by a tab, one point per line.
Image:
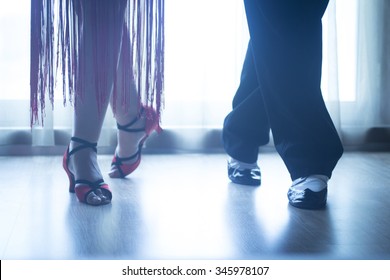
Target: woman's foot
131	137
80	163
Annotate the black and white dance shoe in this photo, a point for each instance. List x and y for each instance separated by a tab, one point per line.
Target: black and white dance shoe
309	192
244	173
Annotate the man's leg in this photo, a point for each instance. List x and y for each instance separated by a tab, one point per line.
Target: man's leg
287	47
246	127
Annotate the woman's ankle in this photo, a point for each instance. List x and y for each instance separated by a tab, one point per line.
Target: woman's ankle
84	165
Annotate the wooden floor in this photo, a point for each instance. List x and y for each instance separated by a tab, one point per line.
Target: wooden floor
184	207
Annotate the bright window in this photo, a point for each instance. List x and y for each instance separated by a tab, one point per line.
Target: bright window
206	42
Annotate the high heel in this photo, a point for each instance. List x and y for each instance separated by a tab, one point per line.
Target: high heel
85	188
122	169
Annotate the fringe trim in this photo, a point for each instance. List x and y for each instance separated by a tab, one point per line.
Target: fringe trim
56	32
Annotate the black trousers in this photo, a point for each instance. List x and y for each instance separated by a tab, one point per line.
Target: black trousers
280	90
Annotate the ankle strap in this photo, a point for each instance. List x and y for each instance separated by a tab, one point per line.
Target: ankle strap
84	145
127	126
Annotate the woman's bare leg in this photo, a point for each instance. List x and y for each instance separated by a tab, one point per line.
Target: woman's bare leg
126	107
101	40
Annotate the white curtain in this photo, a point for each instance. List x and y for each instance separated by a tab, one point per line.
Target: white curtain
205	46
358	59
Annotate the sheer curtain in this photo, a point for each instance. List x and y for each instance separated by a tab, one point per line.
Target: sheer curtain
356	64
205	46
373	72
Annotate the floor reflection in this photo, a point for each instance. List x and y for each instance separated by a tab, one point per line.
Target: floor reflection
245	230
112	231
263	227
308	234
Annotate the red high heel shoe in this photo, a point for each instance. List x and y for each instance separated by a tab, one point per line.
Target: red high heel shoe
151	125
83	188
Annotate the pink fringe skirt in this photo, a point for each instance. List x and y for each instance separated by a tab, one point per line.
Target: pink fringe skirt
58	51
